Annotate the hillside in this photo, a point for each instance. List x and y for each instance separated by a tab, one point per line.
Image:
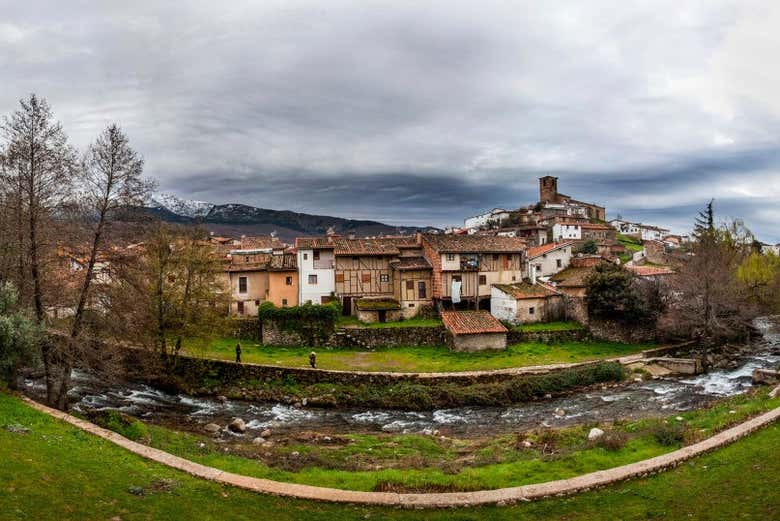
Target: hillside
241	219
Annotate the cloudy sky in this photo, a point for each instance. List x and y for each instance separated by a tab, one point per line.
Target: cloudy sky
422	113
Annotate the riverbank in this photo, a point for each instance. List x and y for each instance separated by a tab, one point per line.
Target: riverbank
97	480
414	463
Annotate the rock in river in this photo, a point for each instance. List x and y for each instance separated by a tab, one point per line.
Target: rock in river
595	434
213	428
237	425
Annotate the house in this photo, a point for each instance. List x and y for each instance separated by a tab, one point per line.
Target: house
465	266
257	269
653	233
526	302
549	195
534	234
473	331
378	309
316	274
626	227
494	216
567	231
650	272
549	259
598	233
412	283
766	249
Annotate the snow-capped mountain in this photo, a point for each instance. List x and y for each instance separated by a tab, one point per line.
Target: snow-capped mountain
184	207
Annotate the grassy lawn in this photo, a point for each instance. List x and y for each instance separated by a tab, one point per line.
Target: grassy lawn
549	326
419	463
55	471
412	322
413	359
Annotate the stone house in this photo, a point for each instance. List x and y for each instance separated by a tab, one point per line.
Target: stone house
549	195
465	266
377	309
549	259
525	302
411	283
473	331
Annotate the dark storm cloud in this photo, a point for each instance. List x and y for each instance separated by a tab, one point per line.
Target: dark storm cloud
422	113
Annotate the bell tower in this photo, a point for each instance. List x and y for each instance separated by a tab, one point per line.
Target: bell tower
548	189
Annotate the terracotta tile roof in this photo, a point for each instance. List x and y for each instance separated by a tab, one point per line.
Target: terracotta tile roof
546	248
411	263
596	226
475	244
308	243
259	243
524	290
650	271
471	322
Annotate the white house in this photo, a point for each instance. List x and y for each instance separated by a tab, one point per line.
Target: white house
567	232
770	248
316	270
653	233
494	216
548	259
626	227
525	302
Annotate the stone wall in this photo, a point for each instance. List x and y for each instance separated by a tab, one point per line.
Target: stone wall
576	309
246	328
273	335
547	337
619	332
394	336
478	342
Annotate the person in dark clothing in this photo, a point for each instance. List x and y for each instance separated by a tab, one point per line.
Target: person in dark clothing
313	360
238	353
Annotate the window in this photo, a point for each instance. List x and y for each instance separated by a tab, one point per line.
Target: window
257	302
312	279
242	284
421	289
384	277
339	277
559	263
538	267
355	259
284	302
450	256
531	311
410	284
482	280
411	304
240	307
288	281
495	256
316	255
457	277
365	277
305	256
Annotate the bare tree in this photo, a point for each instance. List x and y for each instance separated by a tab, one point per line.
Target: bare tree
110	181
44	165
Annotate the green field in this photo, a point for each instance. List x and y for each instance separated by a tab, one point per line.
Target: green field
420	463
549	326
413	359
55	471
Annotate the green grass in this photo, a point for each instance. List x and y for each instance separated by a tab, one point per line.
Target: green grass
423	463
414	359
58	472
411	322
549	326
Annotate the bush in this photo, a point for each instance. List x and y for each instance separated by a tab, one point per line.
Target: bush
612	440
315	323
123	424
669	435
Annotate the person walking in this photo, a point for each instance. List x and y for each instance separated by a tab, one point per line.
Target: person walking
313	360
238	353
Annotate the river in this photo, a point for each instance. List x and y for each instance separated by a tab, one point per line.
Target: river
634	400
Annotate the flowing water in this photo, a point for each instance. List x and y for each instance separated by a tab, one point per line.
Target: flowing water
629	401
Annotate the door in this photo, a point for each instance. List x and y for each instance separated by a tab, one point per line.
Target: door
382	316
346	309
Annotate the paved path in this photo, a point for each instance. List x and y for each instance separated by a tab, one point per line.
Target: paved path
454	499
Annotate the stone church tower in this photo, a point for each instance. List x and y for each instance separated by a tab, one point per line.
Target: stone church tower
548	189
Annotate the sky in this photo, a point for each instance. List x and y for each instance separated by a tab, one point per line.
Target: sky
413	112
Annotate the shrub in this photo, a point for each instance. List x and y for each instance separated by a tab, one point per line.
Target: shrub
669	435
612	440
314	323
123	424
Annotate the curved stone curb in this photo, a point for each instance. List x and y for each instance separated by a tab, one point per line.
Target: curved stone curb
450	499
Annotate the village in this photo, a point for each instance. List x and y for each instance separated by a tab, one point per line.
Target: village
524	266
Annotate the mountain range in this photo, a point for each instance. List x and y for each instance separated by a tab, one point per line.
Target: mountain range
240	219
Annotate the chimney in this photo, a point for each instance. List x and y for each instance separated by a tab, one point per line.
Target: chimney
532	272
418	237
